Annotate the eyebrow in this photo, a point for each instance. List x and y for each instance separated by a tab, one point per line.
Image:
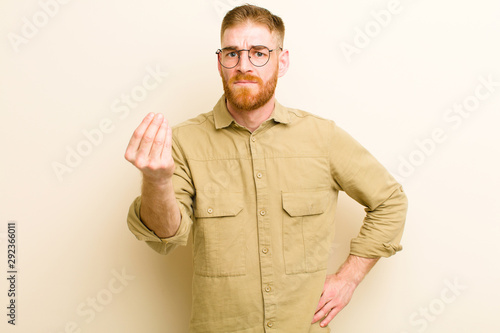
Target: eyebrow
236	48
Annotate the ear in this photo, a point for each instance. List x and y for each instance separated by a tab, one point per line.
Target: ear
284	62
219	66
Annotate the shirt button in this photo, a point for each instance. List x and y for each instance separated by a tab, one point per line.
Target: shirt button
253	139
259	175
210	211
265	250
268	289
262	212
269	324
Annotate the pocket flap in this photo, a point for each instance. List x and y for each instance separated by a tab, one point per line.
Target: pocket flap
223	204
305	203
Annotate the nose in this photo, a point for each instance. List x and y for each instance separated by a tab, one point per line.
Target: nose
244	65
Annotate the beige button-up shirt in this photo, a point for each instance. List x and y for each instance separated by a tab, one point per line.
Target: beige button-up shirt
261	209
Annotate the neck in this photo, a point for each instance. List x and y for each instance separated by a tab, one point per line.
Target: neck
251	119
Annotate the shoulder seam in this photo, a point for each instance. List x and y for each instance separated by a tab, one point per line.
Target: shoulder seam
297	113
191	122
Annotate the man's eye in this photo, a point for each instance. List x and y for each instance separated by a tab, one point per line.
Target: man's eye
232	54
259	54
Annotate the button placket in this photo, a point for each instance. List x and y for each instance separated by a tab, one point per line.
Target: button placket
263	229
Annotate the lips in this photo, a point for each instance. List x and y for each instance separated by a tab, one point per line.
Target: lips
245	82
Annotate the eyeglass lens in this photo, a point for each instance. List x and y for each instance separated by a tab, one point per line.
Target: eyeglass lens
258	56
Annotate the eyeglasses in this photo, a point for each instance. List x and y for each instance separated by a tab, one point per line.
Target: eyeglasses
258	55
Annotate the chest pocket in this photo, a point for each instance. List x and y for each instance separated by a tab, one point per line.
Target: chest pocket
218	235
306	232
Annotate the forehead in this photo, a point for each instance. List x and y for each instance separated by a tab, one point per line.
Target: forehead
246	35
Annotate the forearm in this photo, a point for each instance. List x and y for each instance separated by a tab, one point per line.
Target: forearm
355	268
159	209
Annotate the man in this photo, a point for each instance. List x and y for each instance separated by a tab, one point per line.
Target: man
257	184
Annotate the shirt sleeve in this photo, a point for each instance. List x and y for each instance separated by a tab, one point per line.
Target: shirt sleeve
143	233
184	192
364	179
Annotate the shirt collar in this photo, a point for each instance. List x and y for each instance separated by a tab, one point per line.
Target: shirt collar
222	117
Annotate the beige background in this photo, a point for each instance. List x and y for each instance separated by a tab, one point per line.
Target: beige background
68	77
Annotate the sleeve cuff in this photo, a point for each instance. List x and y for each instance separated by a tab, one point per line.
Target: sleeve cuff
366	249
143	233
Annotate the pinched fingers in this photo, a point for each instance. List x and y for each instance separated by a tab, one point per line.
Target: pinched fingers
159	141
146	148
149	148
135	141
160	157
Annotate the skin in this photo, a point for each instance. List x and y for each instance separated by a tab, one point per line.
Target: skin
244	37
339	287
150	150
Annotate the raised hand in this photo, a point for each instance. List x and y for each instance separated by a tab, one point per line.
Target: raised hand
150	149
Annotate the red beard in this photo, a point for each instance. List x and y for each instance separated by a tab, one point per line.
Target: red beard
244	98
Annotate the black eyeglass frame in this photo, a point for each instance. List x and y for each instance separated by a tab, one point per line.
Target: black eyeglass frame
219	51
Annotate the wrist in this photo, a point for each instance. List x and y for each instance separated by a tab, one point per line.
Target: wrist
349	276
355	269
158	182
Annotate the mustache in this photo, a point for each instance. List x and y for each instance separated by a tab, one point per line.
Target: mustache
245	77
